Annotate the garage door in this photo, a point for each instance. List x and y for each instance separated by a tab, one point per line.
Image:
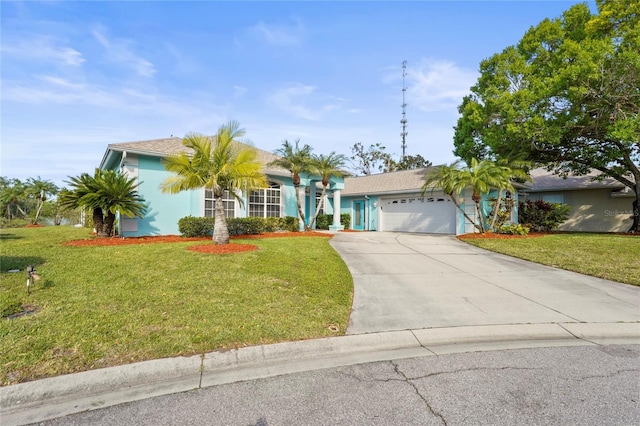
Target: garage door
435	213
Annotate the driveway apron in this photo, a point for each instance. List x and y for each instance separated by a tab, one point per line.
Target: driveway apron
412	281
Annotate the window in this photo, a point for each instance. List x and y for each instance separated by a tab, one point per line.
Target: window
265	202
318	201
227	200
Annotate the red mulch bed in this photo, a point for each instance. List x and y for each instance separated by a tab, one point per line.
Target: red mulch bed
200	248
222	249
37	225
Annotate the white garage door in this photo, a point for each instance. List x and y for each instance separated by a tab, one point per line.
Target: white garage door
434	213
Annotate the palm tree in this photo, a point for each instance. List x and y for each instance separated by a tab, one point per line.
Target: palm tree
297	160
326	166
13	193
220	163
105	193
41	190
481	176
515	170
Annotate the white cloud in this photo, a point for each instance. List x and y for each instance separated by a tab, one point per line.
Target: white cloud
43	48
239	91
121	51
438	85
279	35
303	101
289	100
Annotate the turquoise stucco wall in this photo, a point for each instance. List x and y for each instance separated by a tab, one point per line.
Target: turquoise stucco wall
164	210
371	211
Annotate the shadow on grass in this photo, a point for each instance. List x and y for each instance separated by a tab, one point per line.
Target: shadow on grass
9	237
8	263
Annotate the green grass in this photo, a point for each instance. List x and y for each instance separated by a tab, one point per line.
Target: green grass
612	257
105	306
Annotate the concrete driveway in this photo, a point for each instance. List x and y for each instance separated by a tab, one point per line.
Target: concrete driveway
414	281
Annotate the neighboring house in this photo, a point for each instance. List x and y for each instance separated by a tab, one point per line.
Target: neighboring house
143	161
596	206
394	202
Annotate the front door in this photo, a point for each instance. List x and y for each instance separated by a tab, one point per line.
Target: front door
358	215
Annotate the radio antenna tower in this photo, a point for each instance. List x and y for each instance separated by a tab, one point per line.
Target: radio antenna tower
404	111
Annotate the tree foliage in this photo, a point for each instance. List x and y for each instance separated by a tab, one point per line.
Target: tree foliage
297	160
480	176
566	96
220	163
326	166
366	161
106	193
370	160
40	190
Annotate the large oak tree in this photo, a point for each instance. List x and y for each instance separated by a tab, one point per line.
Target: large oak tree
566	96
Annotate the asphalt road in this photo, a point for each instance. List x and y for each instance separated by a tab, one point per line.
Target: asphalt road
585	385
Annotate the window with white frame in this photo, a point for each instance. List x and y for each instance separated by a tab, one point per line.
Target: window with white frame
318	201
228	202
265	202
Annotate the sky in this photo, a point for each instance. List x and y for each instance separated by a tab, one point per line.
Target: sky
77	76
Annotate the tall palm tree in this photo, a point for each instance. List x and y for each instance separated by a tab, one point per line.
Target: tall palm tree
105	193
515	170
481	176
297	160
217	163
41	190
326	166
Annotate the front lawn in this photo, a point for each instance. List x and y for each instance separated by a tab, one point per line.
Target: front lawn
103	306
612	257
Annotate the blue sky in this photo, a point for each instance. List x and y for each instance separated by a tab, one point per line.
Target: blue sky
77	76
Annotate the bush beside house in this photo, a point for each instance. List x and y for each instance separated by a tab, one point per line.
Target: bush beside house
191	226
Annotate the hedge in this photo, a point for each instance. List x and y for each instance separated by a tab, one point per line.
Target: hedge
191	226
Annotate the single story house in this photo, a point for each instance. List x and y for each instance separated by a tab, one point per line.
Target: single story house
143	161
596	206
379	202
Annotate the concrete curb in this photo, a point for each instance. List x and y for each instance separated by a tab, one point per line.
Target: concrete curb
59	396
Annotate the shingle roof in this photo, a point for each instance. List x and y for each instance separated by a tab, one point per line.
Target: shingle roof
171	146
544	180
402	181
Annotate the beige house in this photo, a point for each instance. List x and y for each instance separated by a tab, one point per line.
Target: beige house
596	206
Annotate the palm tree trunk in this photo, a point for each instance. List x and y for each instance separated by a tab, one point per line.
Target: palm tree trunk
220	230
479	216
300	212
315	216
37	216
107	226
98	221
24	214
496	210
455	203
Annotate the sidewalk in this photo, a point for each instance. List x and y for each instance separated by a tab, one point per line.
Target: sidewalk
59	396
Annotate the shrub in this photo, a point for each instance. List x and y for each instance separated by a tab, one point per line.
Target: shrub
542	216
504	212
196	226
513	229
246	225
345	220
289	223
191	226
323	221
